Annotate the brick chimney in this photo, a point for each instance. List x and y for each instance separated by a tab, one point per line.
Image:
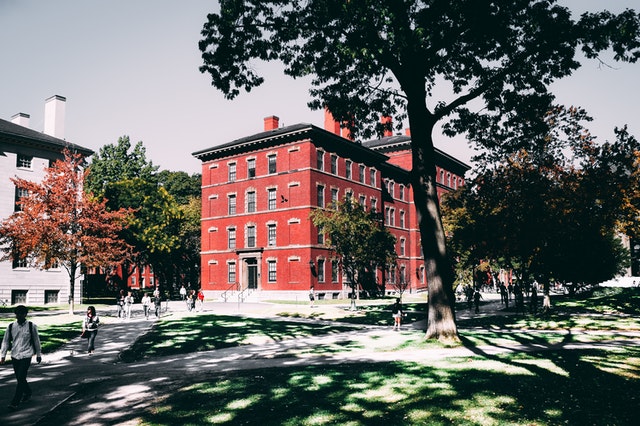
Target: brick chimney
330	123
54	110
271	123
21	119
387	123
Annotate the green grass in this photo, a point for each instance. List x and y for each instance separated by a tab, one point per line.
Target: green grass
551	388
52	336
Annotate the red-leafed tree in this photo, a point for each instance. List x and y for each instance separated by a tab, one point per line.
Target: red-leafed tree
57	223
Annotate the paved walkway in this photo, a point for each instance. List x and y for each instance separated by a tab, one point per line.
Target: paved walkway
73	388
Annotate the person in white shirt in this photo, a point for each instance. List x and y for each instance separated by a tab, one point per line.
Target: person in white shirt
22	338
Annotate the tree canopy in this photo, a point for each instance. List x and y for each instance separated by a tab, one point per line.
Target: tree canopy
360	240
480	67
57	223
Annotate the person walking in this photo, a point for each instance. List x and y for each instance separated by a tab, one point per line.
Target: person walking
146	305
128	304
90	328
157	302
200	300
183	293
23	339
120	304
396	313
312	297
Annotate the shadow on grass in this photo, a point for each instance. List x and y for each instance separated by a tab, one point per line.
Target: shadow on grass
381	314
565	387
209	332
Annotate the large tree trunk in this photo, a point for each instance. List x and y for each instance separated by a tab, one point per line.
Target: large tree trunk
441	321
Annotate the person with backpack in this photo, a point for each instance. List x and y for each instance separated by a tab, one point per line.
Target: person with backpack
23	339
90	328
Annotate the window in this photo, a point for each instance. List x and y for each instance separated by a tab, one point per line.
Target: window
271	267
374	205
232	204
18	297
272	163
320	270
231	272
392	217
372	177
232	172
251	236
24	161
20	193
133	281
320	195
449	179
334	164
320	160
320	235
334	271
334	197
20	263
392	189
251	168
51	297
231	238
403	274
271	192
271	235
402	224
363	200
251	202
387	219
347	167
402	246
361	170
401	192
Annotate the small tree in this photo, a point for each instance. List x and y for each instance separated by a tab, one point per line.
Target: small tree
59	224
358	237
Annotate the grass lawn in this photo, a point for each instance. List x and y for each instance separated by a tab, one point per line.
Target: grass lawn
592	387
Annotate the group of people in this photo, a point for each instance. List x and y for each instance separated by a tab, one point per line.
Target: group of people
193	299
125	303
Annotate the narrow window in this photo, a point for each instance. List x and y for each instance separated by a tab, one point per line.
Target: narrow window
347	167
272	198
19	195
271	235
361	171
372	177
271	266
320	270
231	238
251	201
232	204
334	271
402	246
334	164
251	236
251	168
334	197
320	195
402	224
231	272
320	235
232	172
320	160
272	163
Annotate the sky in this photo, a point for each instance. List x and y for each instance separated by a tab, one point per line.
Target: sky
130	67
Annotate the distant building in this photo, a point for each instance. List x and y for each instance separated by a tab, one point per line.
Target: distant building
258	191
25	153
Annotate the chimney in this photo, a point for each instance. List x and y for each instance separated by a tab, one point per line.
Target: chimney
387	125
271	123
21	119
54	109
330	123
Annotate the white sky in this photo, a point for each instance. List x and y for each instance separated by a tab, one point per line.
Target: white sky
131	68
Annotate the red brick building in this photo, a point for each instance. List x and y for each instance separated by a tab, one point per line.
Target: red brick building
258	191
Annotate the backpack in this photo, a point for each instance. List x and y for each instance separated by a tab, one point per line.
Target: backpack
30	335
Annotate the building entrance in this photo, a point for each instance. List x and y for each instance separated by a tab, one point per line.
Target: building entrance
252	273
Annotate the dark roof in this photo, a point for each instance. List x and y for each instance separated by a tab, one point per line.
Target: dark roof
320	137
401	142
11	132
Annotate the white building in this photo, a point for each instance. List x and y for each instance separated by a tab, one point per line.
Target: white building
25	153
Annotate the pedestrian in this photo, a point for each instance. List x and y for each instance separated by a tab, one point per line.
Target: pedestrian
192	300
200	299
146	305
183	293
312	297
90	328
396	314
533	300
157	302
128	304
476	300
23	339
120	304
